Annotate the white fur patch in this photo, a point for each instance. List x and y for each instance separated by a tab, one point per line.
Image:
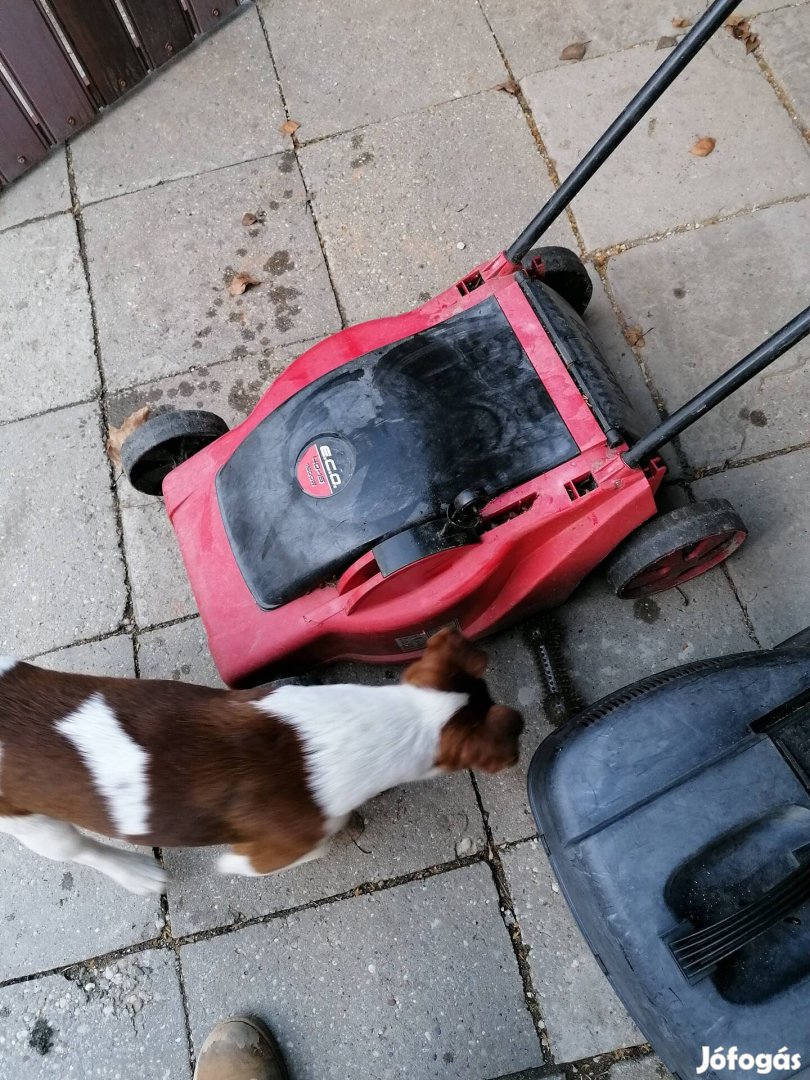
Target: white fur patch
231	863
6	664
361	740
116	762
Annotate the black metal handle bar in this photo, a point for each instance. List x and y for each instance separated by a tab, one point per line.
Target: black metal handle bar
722	387
601	150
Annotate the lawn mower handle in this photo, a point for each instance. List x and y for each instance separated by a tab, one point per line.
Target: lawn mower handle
601	150
721	388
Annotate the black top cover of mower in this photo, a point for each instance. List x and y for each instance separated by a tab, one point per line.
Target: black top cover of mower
676	814
386	442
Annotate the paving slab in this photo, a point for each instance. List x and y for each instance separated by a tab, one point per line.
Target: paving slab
124	1021
784	44
230	389
165	307
160	588
369	61
582	1014
696	332
112	656
57	913
395	200
514	680
532	36
178	652
772	569
43	191
419	981
219	104
61	575
46	334
670	186
609	642
648	1067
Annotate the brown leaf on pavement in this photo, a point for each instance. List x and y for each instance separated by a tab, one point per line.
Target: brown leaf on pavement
289	127
681	23
249	219
240	282
741	30
119	435
634	335
703	147
509	87
575	51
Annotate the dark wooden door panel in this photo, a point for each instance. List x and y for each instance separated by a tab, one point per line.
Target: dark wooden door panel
20	146
209	13
112	46
161	27
35	58
103	44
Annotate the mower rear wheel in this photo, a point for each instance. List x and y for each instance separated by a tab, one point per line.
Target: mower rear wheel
564	272
675	547
164	442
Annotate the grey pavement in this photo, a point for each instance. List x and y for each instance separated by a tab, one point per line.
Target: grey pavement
432	940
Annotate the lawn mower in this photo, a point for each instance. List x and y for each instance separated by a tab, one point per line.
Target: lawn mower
465	463
676	816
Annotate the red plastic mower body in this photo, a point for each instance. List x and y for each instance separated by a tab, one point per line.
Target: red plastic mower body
363	529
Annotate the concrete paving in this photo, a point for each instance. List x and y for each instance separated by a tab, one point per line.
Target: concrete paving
431	941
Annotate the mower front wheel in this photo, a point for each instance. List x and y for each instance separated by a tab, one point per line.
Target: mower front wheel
564	272
164	442
675	547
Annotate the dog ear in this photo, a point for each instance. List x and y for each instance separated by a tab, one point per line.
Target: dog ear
487	746
447	653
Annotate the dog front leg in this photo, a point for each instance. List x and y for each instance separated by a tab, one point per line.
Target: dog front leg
59	841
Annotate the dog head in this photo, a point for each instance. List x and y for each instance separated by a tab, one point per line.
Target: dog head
481	735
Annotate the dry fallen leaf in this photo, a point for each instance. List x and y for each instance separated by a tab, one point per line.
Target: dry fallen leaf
289	127
703	147
510	87
575	51
249	219
634	335
741	30
240	282
679	24
119	435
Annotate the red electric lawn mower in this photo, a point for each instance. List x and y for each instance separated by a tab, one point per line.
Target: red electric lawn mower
465	463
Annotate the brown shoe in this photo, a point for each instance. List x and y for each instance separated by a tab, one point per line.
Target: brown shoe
241	1048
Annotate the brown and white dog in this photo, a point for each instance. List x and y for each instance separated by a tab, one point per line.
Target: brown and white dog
273	773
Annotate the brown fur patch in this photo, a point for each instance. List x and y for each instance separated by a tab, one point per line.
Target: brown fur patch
220	771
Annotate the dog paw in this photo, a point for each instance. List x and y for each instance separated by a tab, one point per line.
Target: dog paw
138	873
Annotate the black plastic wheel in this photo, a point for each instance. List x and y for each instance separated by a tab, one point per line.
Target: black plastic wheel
674	547
164	442
564	272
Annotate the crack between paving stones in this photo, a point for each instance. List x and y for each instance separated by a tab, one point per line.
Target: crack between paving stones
168	942
49	411
127	620
194	369
692	475
775	84
510	921
344	322
602	254
548	161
